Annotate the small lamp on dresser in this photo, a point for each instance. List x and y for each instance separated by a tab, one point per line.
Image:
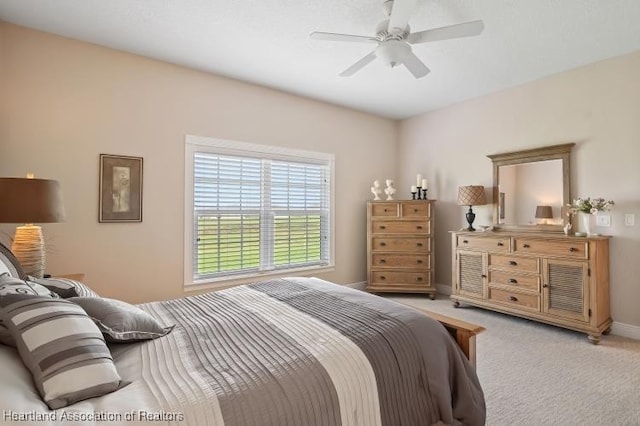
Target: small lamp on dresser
29	201
472	195
543	214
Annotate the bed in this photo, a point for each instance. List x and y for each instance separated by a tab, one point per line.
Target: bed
293	351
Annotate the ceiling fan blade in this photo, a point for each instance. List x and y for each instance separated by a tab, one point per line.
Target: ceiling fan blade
317	35
400	14
358	65
415	65
466	29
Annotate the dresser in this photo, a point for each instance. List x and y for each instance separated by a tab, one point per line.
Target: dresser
552	278
399	244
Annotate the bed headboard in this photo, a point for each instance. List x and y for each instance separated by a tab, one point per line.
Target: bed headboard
9	263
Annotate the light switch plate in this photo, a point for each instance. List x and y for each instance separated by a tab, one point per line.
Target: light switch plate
603	220
629	219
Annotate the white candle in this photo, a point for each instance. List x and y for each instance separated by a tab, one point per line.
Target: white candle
418	179
424	184
413	188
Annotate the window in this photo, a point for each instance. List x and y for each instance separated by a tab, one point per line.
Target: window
255	210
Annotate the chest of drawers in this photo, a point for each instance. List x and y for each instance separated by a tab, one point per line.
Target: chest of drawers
555	279
399	244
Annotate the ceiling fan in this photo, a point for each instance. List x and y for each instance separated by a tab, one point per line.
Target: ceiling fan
394	38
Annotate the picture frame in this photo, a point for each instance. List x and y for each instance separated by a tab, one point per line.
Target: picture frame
120	183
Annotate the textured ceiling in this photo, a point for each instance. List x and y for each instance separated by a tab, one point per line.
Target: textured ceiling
267	42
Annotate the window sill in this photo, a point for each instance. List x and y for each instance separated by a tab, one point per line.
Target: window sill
224	282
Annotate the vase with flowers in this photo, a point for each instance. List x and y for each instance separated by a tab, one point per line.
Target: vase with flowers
589	207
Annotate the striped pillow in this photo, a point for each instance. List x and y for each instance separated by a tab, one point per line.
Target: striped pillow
65	287
12	285
62	347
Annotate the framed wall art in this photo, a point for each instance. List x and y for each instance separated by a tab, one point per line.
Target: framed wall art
120	188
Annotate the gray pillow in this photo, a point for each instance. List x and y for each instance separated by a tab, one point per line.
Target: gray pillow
120	321
62	347
65	287
12	285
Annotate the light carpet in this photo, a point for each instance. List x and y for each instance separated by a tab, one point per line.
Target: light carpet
537	374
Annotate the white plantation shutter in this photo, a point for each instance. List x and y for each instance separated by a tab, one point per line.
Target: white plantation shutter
254	212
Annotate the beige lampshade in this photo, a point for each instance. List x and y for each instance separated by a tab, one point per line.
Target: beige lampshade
472	195
544	212
30	201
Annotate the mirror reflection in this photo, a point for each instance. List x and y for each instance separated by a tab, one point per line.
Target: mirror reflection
531	193
531	188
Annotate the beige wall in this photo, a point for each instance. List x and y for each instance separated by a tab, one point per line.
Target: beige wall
64	102
596	106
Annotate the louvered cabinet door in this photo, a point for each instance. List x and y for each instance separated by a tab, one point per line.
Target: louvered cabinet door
470	273
565	289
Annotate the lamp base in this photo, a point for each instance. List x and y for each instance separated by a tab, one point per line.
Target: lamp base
471	216
28	248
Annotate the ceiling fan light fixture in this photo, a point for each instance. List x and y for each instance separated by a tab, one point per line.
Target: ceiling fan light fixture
393	52
394	38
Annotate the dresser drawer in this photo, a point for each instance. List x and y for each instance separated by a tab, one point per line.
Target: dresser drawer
569	249
467	242
415	209
420	244
400	227
520	264
414	261
519	281
398	277
384	209
521	300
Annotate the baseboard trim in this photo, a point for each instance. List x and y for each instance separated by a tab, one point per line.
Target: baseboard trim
625	330
443	289
358	286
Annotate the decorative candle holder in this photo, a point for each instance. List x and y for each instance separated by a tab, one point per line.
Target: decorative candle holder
413	195
419	193
424	194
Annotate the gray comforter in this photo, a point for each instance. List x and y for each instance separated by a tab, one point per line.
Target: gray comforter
298	351
308	352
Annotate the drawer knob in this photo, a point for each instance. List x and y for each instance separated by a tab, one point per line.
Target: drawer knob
419	244
419	261
465	242
513	298
383	244
573	249
500	243
418	278
386	210
483	276
545	286
419	227
382	277
383	227
513	263
526	246
415	210
383	261
513	281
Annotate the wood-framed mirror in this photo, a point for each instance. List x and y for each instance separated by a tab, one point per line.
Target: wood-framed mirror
531	188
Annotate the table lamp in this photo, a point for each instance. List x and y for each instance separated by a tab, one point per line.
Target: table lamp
29	201
472	195
544	213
